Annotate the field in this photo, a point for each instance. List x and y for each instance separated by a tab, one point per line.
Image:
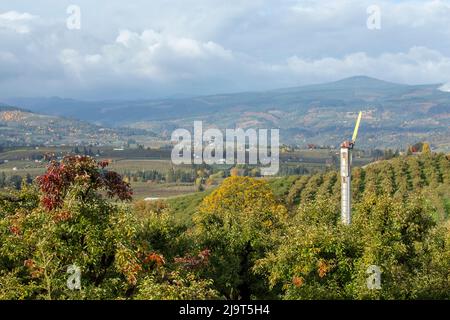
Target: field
121	165
143	190
25	161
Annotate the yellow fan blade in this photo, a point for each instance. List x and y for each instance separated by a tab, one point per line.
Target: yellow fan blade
355	132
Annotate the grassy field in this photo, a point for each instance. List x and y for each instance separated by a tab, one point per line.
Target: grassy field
184	206
133	165
142	190
22	168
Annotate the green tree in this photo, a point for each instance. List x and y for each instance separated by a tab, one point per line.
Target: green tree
238	222
319	258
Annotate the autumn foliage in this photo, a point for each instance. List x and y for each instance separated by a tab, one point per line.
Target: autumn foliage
239	221
82	170
66	219
248	238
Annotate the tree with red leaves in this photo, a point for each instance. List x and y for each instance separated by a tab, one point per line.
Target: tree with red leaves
84	171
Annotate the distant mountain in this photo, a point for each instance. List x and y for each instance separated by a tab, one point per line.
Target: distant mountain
5	107
395	114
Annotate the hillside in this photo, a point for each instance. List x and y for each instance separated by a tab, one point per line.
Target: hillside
400	177
5	108
22	127
394	114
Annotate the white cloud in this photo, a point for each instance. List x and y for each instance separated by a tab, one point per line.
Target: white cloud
16	21
417	65
445	87
152	55
170	60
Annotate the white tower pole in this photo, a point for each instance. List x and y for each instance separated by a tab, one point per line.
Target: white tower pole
346	159
346	175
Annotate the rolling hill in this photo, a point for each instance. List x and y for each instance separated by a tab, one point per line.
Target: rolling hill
20	127
394	114
427	175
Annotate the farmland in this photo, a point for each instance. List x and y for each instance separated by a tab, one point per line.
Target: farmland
132	162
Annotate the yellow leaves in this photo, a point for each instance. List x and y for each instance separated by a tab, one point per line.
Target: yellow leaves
241	203
128	264
323	268
268	223
426	148
239	193
280	210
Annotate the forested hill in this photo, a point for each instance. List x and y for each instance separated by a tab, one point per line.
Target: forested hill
399	223
398	177
21	127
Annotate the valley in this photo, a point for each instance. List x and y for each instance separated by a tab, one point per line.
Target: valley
395	115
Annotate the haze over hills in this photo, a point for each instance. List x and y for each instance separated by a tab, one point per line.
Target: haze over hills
394	114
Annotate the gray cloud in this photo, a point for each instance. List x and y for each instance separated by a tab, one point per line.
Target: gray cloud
158	48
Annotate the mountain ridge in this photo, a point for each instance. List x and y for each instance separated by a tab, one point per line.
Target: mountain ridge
394	114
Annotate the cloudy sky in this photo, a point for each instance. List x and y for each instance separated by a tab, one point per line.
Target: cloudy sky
155	48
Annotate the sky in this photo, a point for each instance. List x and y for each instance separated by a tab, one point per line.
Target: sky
166	48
